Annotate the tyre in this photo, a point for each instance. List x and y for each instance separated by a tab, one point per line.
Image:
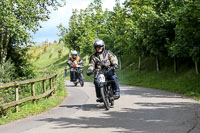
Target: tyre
75	83
112	103
81	80
111	98
105	98
82	83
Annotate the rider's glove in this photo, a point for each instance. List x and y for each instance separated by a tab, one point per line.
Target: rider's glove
103	65
80	63
116	66
89	72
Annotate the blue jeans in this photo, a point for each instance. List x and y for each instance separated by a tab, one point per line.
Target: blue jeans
115	85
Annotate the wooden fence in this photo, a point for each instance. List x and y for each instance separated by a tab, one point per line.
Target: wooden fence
34	97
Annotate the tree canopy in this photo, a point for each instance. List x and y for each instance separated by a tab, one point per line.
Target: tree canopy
17	19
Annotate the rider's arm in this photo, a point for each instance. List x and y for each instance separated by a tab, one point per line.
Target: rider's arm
113	58
91	64
81	62
69	62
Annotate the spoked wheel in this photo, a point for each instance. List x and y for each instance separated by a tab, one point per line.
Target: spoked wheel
81	80
111	98
105	98
82	83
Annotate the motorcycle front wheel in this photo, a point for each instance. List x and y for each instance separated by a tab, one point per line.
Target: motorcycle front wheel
81	80
75	83
82	83
105	98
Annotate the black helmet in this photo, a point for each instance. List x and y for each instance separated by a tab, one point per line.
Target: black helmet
99	43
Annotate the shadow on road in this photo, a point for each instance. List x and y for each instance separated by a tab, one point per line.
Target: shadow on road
86	107
70	85
151	117
149	92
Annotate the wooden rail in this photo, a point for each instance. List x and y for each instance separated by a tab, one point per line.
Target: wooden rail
34	97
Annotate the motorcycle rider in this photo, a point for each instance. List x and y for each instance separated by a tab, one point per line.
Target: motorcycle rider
73	61
111	61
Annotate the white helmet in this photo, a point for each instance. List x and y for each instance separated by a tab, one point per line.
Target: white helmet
74	52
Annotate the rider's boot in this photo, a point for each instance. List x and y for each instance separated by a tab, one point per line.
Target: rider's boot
116	95
99	99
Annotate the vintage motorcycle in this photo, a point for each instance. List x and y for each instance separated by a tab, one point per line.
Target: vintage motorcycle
105	87
76	73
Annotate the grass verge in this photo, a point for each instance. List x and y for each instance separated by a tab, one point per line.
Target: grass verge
185	81
28	108
46	60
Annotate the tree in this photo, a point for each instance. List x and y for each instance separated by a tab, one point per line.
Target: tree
84	27
62	31
17	18
187	41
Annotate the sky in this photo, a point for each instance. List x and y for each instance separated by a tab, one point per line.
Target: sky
49	29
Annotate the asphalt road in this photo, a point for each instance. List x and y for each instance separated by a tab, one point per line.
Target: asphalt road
139	110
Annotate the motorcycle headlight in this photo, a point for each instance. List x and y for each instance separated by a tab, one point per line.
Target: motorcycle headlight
101	78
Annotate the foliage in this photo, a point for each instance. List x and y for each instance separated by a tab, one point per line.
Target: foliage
160	28
188	30
7	73
60	53
41	105
185	82
17	19
43	68
22	62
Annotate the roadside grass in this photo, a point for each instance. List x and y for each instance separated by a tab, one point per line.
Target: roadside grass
28	108
44	64
185	81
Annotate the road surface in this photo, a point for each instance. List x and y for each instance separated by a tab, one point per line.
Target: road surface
139	110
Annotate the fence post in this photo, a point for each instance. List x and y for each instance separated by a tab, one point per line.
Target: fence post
56	81
65	71
44	86
50	84
33	91
16	98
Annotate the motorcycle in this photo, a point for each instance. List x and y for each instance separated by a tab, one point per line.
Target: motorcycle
105	87
76	75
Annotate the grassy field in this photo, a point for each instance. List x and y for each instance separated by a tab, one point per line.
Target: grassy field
46	60
185	81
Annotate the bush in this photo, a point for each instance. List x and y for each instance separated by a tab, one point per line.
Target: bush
45	49
59	53
50	55
7	72
22	62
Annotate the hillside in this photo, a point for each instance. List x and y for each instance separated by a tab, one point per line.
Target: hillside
49	58
185	81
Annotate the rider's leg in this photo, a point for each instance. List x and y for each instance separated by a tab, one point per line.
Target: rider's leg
98	93
71	75
115	84
97	89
